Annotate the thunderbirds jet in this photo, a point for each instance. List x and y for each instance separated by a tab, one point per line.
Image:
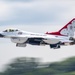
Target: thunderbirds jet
63	37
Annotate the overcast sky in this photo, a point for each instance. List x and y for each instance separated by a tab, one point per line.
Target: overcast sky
35	16
36	11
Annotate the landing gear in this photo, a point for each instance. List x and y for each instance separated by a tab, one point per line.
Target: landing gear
55	46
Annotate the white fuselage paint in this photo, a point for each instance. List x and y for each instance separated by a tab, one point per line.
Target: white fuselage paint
22	36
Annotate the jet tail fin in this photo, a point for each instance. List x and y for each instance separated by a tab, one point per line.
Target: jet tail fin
67	30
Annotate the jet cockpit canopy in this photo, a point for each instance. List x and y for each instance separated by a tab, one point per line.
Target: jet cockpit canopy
10	30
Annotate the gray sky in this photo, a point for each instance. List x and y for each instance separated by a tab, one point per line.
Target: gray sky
35	16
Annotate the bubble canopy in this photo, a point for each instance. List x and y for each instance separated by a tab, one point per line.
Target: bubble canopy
10	30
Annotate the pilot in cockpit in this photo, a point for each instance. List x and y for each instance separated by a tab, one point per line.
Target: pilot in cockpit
10	30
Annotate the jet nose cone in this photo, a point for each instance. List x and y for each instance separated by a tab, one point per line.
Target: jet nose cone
1	35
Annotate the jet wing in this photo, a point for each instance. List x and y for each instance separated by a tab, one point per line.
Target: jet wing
49	39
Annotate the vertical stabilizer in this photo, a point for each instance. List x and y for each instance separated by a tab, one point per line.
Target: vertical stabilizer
67	30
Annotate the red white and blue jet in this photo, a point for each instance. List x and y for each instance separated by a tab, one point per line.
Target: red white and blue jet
65	36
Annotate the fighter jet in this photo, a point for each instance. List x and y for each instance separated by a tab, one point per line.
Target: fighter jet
63	37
